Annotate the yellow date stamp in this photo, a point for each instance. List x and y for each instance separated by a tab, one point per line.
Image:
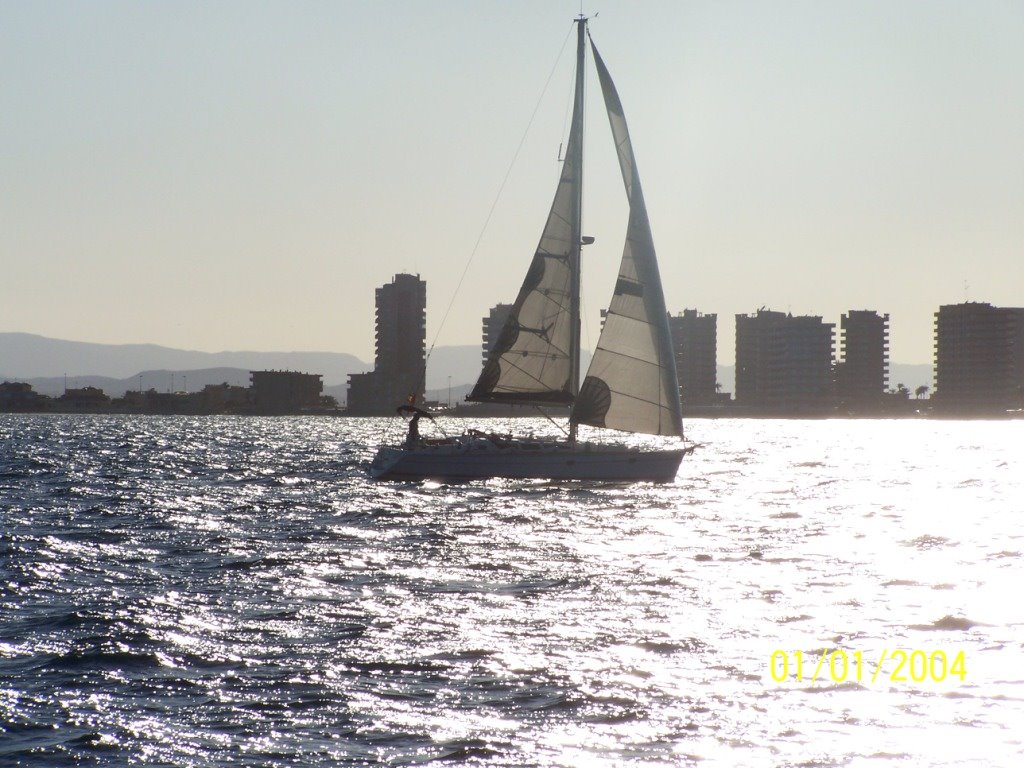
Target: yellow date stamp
890	665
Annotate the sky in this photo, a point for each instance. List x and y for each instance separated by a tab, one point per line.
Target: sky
243	175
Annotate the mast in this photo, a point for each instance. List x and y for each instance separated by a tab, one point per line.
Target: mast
577	221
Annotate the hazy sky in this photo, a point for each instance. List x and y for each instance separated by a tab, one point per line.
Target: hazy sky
242	175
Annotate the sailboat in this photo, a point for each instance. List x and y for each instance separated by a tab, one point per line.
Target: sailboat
631	384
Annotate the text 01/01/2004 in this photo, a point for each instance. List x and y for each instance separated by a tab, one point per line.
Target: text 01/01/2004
840	666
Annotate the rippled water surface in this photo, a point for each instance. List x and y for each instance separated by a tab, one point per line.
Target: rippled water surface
236	592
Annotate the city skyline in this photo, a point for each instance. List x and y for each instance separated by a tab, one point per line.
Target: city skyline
242	176
784	363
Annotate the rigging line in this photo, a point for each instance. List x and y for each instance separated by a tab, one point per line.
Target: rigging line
547	416
497	197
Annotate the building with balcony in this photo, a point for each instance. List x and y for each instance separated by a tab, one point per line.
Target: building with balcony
979	358
695	345
399	368
862	373
784	363
492	325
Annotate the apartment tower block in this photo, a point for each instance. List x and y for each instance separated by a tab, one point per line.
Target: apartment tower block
400	359
783	363
492	326
979	357
862	375
695	344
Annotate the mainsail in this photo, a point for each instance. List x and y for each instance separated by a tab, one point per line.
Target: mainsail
632	384
536	357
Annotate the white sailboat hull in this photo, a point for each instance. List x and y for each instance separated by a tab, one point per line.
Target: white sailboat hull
631	384
471	460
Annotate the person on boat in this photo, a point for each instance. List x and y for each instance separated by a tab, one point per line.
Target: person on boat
413	438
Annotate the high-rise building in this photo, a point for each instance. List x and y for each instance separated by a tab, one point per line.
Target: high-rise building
862	374
695	344
492	326
400	359
783	363
979	357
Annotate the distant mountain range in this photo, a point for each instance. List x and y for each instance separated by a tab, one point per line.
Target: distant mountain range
27	355
115	368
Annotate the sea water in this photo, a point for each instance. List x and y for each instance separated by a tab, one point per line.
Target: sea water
216	591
